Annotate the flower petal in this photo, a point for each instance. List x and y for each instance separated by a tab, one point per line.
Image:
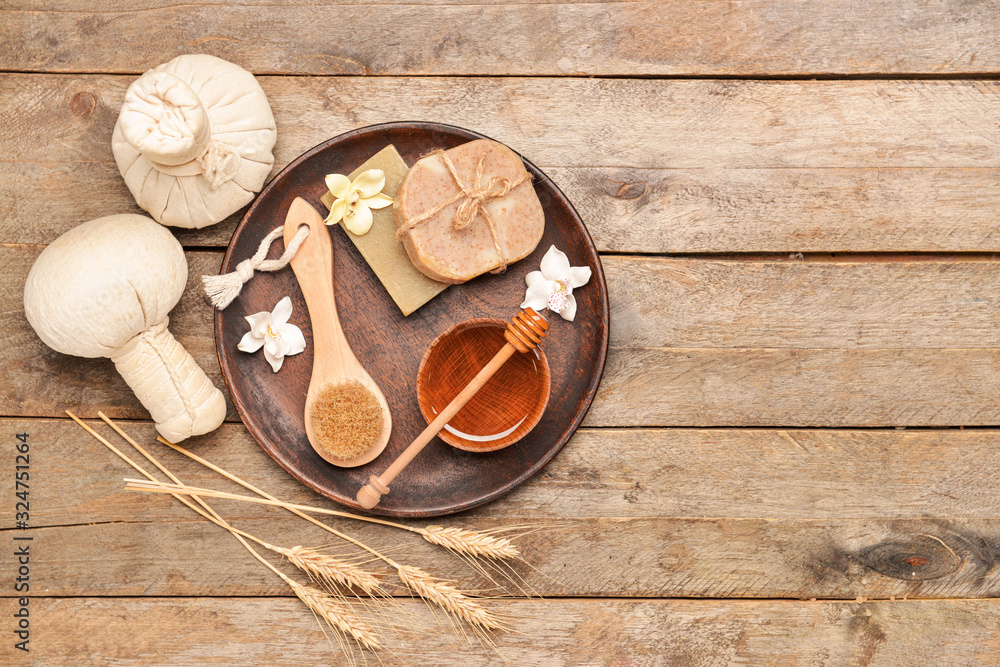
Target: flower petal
250	342
370	183
273	360
533	278
258	322
579	276
537	296
338	185
281	313
569	312
336	212
555	266
378	201
360	221
293	336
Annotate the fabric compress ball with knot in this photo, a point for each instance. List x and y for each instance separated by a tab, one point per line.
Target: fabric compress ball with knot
193	140
104	289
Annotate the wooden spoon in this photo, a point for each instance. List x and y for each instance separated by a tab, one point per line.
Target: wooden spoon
333	360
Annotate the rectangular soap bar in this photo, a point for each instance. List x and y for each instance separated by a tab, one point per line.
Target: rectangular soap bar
407	286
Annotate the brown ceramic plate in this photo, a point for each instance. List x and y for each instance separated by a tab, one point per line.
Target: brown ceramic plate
442	480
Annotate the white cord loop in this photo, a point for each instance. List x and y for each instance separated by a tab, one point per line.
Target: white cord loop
222	289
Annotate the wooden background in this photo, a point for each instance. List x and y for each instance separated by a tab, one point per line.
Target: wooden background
793	456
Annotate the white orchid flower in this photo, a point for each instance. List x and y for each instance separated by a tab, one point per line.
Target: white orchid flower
272	332
552	287
354	200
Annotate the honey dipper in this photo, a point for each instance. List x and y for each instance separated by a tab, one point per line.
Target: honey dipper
524	332
347	418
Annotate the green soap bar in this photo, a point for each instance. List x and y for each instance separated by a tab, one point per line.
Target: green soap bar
407	286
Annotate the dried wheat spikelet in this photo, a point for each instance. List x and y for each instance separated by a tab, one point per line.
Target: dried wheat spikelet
471	542
335	615
447	597
330	570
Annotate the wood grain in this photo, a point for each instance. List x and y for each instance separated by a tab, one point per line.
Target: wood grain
605	473
686	166
696	343
185	631
787	387
650	557
679	37
704	513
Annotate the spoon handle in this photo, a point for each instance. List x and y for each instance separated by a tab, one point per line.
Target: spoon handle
313	267
524	332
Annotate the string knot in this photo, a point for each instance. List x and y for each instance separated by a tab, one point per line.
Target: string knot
245	270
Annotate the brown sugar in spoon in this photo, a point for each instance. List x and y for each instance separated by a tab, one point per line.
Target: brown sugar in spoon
347	418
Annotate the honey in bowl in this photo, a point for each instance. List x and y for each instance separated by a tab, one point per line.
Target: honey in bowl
508	406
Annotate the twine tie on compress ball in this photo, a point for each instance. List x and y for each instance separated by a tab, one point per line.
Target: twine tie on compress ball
218	164
222	289
474	200
218	160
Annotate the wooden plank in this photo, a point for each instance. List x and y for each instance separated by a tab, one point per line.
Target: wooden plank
758	37
608	473
689	166
608	557
632	210
866	305
782	387
703	514
696	343
186	631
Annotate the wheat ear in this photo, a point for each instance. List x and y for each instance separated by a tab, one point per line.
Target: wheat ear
468	542
335	615
448	598
330	570
471	542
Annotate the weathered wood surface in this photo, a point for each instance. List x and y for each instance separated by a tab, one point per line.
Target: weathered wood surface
602	473
679	37
694	343
185	631
699	513
684	166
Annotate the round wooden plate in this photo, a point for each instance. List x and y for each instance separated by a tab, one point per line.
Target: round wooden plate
442	479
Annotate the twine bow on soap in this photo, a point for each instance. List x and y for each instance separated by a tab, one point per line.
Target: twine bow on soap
474	200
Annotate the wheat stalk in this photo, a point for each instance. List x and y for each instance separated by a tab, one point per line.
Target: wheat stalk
312	562
319	567
335	615
447	597
433	590
468	542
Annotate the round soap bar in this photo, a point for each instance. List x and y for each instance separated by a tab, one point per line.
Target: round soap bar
433	198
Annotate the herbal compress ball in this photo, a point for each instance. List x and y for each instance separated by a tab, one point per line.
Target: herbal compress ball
104	289
193	140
